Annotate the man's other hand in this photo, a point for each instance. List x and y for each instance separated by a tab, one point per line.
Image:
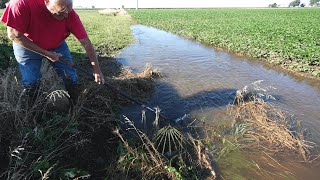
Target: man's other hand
98	76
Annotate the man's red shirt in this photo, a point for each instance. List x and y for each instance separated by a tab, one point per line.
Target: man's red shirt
32	18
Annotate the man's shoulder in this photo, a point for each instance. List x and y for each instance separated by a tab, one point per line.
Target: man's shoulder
72	16
18	2
73	13
18	5
25	3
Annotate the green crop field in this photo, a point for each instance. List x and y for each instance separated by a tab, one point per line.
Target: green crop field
290	37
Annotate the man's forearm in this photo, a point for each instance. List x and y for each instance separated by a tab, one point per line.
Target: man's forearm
26	43
22	40
90	51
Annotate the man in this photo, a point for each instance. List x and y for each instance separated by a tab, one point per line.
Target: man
38	29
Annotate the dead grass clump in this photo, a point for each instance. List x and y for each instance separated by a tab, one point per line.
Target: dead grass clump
169	154
204	157
108	12
113	12
136	84
149	72
144	164
266	124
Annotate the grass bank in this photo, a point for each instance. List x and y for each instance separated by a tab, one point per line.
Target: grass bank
109	34
287	37
6	54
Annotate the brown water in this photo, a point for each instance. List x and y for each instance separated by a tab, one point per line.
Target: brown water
202	81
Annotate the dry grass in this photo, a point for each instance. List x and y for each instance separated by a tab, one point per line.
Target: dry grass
16	118
169	154
150	164
268	125
138	85
13	106
113	12
149	72
204	156
48	133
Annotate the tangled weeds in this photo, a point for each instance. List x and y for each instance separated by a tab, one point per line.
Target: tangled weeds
137	85
42	140
269	127
165	153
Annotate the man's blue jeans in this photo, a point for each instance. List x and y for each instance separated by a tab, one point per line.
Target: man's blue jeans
30	64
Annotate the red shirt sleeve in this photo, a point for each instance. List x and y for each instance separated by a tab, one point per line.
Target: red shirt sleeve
75	26
17	15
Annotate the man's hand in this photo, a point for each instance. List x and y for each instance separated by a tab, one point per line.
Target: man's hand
98	76
91	53
53	56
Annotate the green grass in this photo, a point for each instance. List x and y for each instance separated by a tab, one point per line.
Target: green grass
109	34
6	54
290	37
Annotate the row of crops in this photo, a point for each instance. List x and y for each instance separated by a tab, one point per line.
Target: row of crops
290	37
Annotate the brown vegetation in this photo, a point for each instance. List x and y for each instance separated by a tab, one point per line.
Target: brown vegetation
43	138
268	125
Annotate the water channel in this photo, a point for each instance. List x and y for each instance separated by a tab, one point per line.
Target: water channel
202	81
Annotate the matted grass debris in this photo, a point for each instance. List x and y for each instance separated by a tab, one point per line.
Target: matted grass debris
266	124
113	12
43	139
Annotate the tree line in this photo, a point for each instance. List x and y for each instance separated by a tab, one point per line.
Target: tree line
297	3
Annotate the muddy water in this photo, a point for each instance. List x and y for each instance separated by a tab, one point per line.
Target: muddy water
202	81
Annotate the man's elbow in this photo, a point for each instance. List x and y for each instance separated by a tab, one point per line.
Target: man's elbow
11	37
12	34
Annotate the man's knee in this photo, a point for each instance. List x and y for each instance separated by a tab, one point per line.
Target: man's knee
32	92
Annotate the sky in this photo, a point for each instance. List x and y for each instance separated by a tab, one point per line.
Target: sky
180	3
